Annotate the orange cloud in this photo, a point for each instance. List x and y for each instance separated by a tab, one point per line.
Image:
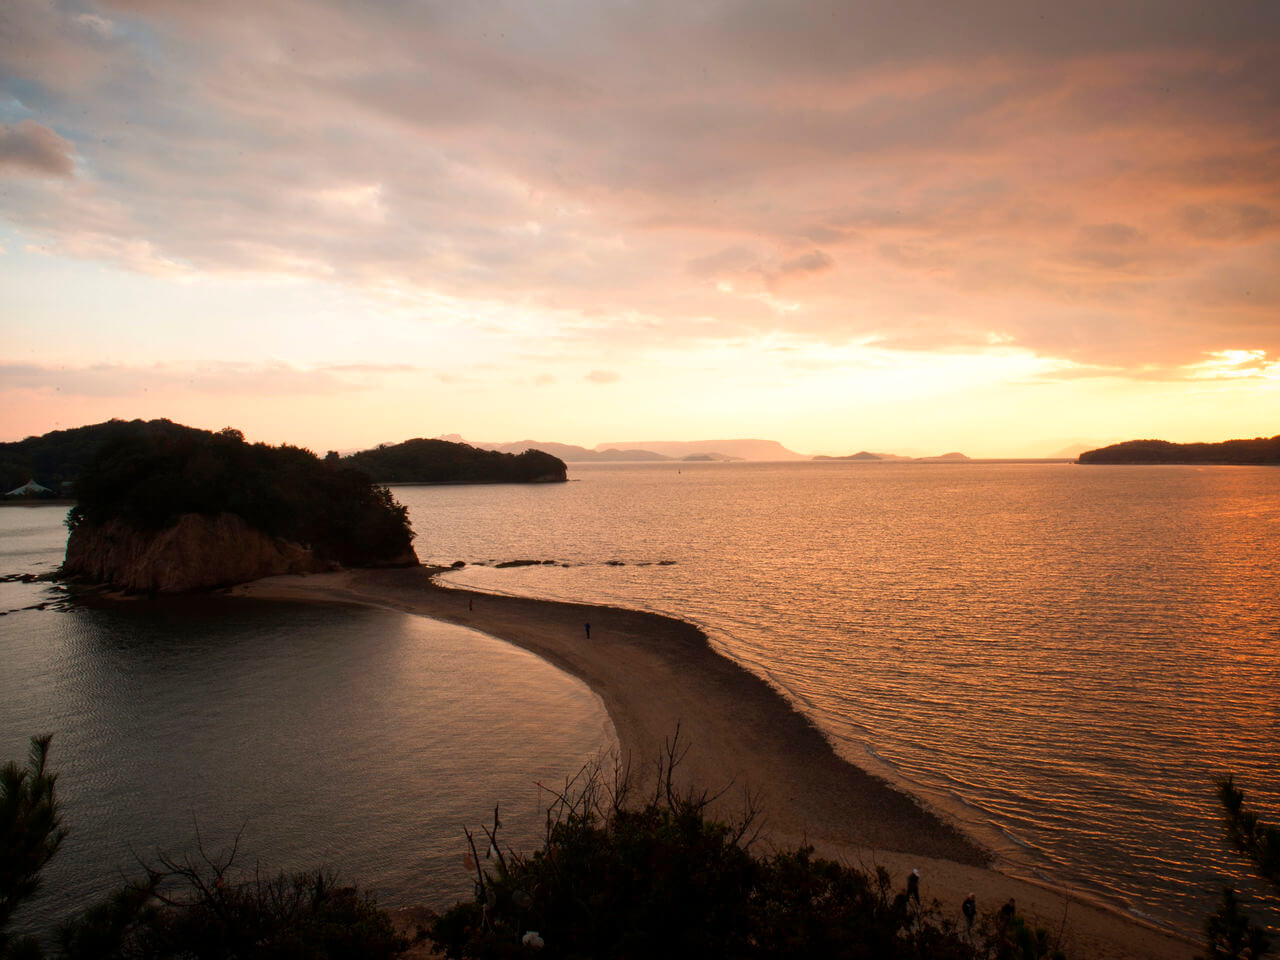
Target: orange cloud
1084	182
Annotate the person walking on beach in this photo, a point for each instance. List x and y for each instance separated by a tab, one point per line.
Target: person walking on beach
588	626
913	887
970	910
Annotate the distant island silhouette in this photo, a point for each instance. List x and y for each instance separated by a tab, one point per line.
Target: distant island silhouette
689	451
442	461
568	452
1258	450
867	456
648	450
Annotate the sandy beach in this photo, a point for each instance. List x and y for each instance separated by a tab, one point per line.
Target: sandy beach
654	672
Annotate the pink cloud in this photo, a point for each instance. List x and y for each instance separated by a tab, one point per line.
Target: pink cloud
123	380
28	148
1096	184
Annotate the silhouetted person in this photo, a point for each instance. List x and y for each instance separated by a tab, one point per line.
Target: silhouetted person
1007	911
588	626
913	887
970	910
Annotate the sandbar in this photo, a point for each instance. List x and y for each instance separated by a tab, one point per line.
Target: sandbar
744	739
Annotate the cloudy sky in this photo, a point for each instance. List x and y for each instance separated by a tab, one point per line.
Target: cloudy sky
997	226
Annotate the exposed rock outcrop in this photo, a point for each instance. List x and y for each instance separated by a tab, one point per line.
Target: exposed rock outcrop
195	553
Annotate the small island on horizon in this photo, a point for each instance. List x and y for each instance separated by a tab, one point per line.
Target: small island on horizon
869	457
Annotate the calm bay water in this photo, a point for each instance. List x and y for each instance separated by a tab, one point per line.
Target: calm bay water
361	739
1060	657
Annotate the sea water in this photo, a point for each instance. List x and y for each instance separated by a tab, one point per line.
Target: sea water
1062	658
313	734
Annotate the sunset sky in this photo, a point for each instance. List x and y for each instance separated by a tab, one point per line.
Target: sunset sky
1001	227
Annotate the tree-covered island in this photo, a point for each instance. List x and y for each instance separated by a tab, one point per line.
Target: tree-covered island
1258	450
443	461
167	508
162	507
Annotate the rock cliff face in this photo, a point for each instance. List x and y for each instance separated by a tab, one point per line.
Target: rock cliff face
196	552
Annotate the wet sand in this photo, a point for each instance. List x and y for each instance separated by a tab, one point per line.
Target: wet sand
654	673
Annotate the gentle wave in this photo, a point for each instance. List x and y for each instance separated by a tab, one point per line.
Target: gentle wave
1069	655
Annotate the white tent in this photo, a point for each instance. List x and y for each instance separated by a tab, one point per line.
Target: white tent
30	488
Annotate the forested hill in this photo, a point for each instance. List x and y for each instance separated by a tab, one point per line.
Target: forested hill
1259	450
59	457
151	478
442	461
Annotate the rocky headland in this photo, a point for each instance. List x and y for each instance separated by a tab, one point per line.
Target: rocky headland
196	553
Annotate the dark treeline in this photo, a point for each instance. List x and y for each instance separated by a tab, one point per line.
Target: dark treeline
441	461
59	457
1259	450
152	475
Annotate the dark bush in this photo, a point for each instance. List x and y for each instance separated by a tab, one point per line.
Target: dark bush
665	880
30	834
188	912
189	909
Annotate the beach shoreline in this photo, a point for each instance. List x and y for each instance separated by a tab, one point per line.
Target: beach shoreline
745	740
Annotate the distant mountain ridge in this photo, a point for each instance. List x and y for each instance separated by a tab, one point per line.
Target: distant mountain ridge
686	451
860	455
741	449
864	455
655	450
568	452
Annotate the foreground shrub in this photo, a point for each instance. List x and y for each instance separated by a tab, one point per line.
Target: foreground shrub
202	914
1229	932
612	880
197	908
664	879
30	833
